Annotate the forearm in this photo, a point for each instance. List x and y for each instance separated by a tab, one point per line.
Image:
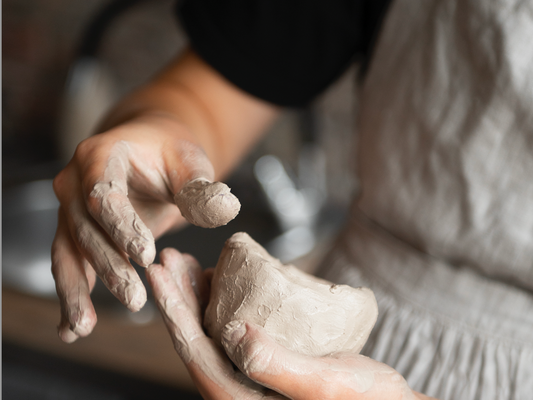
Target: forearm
195	102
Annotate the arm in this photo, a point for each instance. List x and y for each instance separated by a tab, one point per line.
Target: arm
118	191
221	118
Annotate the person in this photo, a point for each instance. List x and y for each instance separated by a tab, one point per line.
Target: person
441	230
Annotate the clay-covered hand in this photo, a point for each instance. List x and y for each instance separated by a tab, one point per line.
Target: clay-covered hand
122	186
181	291
119	192
337	376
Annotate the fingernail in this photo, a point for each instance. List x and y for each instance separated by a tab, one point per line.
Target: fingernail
233	332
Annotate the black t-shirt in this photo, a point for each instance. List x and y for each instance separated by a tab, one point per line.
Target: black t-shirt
283	51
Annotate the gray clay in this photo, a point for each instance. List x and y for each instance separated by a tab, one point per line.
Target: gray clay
207	204
301	312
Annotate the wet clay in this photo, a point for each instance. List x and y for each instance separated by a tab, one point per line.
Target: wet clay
116	214
299	311
207	204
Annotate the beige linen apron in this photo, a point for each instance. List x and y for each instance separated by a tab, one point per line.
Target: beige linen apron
443	228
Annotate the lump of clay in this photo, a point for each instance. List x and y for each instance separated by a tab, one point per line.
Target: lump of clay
207	204
303	313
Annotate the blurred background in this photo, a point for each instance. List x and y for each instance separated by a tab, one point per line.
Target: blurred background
64	63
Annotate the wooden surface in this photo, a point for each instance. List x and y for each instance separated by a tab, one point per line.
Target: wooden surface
117	344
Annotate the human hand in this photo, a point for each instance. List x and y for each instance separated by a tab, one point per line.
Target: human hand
336	376
119	192
181	291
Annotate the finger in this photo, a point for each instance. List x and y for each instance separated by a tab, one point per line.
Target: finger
199	282
94	244
186	274
209	367
109	205
73	285
297	376
272	365
258	356
109	263
207	204
181	320
201	201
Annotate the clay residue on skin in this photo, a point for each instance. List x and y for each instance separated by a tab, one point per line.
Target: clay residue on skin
117	215
121	217
207	204
256	354
300	312
364	381
176	299
111	266
360	382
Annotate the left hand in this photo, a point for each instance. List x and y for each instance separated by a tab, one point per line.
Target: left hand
181	291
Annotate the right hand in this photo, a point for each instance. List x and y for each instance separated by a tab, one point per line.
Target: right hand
181	291
119	190
116	195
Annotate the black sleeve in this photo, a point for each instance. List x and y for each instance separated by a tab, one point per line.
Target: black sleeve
283	51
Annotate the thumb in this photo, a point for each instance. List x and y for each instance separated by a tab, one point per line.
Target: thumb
299	377
266	362
207	204
201	201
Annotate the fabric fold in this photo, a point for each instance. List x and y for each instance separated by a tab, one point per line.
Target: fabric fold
438	332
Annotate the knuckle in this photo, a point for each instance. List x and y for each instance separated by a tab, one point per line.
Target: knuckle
59	184
83	149
113	282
